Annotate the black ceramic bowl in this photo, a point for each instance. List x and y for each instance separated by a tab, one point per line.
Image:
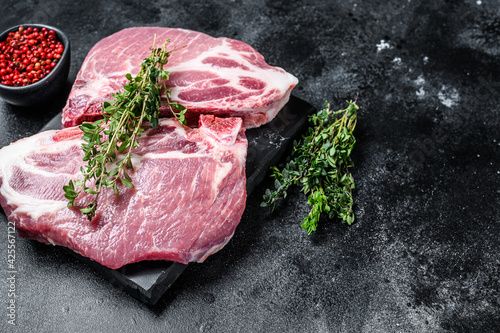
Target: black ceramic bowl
48	87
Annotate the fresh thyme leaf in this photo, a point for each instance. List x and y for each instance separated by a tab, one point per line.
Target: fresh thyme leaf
121	126
320	163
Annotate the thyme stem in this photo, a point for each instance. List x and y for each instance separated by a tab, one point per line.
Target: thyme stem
120	128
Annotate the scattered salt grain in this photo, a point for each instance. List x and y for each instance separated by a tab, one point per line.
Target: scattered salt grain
383	45
448	96
420	93
420	81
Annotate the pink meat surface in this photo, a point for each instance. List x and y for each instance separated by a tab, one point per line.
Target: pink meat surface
188	198
218	76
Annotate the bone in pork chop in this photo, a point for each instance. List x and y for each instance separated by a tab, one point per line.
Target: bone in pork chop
218	76
188	198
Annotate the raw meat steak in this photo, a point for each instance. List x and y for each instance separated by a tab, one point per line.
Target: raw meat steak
188	198
218	76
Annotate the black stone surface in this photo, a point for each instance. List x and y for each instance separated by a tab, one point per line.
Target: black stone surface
148	281
423	254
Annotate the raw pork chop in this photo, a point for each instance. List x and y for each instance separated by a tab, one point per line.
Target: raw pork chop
188	198
218	76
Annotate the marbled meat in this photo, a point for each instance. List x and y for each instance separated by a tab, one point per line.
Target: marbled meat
218	76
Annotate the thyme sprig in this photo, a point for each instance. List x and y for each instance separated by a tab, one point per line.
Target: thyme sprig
121	126
320	162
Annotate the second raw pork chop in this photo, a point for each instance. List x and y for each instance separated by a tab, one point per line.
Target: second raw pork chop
218	76
188	198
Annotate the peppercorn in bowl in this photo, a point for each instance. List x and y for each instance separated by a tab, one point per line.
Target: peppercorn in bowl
34	63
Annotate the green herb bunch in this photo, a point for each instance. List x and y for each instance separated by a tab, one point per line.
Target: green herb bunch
320	163
121	126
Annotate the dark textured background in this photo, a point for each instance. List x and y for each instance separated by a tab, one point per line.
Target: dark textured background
423	254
